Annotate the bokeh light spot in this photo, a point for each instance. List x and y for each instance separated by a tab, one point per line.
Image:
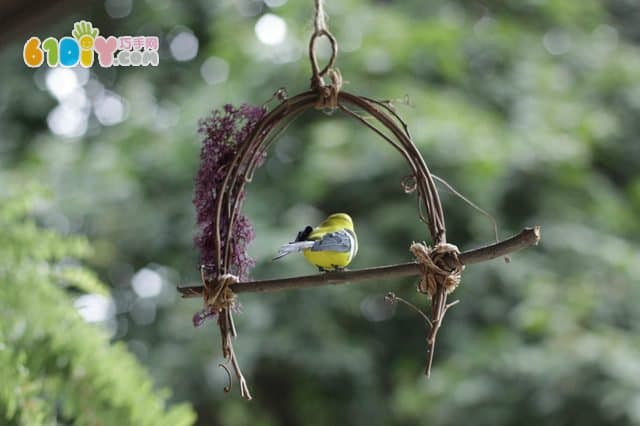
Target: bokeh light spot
147	283
118	8
184	46
556	42
66	121
95	307
271	29
275	3
109	109
215	70
61	82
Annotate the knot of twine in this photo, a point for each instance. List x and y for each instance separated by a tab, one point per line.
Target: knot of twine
328	98
328	93
221	296
441	267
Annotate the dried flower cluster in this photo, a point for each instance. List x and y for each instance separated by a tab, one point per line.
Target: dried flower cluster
223	133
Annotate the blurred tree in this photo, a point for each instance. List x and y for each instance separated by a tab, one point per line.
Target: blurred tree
55	367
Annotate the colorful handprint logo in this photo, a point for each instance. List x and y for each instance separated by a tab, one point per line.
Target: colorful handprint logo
85	43
85	34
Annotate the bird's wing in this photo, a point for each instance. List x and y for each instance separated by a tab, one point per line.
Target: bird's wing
340	241
293	247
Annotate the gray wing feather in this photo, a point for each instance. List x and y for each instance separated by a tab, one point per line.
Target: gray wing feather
339	241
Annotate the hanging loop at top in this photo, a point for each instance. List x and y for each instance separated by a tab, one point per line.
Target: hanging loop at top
321	30
316	72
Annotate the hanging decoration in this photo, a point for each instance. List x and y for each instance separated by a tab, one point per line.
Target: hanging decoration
235	144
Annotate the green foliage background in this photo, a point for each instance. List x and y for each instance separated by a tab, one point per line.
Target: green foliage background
54	365
529	108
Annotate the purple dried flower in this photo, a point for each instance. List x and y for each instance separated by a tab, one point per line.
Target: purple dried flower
223	132
201	316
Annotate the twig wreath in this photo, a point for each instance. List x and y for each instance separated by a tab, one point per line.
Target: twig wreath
235	144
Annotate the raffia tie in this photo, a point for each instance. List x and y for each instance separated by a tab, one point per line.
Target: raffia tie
441	266
221	296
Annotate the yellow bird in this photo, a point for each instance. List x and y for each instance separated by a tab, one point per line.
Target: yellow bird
330	246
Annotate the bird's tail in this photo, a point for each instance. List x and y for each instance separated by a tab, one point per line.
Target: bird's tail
285	249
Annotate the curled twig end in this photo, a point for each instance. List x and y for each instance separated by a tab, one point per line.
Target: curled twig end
227	388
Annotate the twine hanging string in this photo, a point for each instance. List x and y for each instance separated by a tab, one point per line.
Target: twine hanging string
328	93
320	18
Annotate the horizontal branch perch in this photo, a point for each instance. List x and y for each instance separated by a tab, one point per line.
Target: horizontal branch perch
526	238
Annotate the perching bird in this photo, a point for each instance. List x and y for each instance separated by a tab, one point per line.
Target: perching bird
330	246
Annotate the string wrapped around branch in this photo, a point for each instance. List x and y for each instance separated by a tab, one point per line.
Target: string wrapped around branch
441	275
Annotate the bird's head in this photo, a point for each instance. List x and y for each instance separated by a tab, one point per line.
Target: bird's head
339	220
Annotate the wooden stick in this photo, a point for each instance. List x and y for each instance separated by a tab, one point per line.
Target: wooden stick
526	238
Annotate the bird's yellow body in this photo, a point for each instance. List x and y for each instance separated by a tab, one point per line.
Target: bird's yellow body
330	246
329	259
